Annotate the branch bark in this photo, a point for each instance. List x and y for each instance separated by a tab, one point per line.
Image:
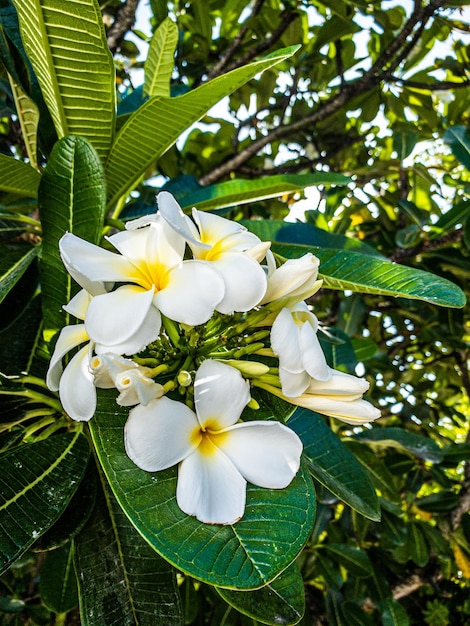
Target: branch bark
385	64
123	22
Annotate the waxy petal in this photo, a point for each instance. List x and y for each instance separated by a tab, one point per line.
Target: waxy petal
123	321
136	388
285	341
245	282
91	265
171	212
76	389
293	383
105	367
352	412
295	278
160	434
220	394
313	358
266	454
347	386
78	305
194	290
210	487
69	337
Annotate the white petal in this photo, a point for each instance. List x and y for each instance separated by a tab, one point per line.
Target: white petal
194	289
347	386
266	454
245	282
124	319
160	434
313	358
210	488
294	278
76	389
285	341
171	211
70	337
136	388
91	265
220	394
352	412
293	383
105	367
78	305
213	228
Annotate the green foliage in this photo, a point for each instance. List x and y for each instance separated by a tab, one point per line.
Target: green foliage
325	94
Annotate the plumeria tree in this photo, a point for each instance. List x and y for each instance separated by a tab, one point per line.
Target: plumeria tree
191	385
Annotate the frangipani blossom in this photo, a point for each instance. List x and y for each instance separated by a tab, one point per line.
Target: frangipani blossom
156	280
228	246
75	385
293	281
294	340
217	453
130	379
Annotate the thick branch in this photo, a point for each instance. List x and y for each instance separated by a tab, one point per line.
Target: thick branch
124	20
370	79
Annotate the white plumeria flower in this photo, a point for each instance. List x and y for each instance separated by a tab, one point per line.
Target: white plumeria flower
294	280
75	385
130	379
228	246
340	397
294	340
156	280
217	453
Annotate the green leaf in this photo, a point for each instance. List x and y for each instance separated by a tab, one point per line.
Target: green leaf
36	484
334	465
14	261
28	115
121	579
18	177
68	50
159	64
458	138
158	123
344	269
354	615
247	555
393	614
395	437
58	583
239	191
307	234
71	199
354	560
279	602
458	214
416	546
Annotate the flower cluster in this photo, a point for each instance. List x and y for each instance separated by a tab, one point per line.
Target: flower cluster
185	319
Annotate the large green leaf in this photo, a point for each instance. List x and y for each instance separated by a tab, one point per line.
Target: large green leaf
122	580
71	199
58	583
422	447
279	602
334	465
353	559
14	261
28	115
66	43
160	62
36	483
347	269
18	177
247	555
458	138
239	191
158	123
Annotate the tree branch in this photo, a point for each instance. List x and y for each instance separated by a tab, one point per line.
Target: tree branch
123	22
370	79
437	86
